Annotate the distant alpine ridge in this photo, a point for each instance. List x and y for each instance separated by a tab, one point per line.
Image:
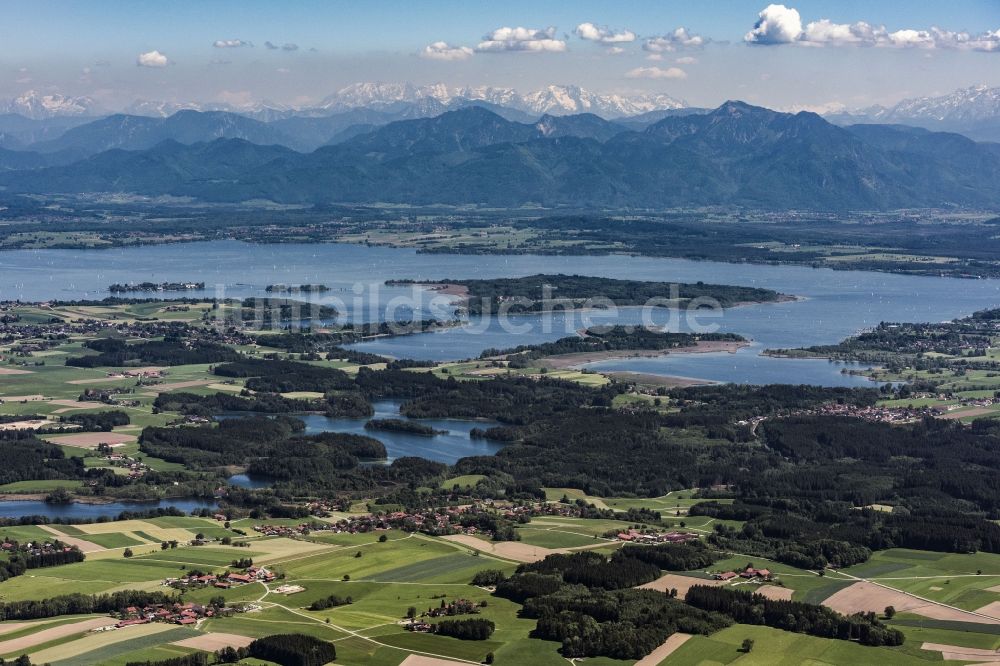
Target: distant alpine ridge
973	111
38	106
737	155
553	100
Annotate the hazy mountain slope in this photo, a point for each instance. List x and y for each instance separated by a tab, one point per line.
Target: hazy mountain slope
141	132
734	155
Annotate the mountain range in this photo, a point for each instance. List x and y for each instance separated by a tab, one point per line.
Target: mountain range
974	112
737	155
436	98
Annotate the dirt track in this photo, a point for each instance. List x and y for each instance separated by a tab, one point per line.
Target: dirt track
864	596
681	583
659	654
421	660
774	592
959	653
991	609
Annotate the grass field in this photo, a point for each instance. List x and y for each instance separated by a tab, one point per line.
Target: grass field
949	578
419	571
775	647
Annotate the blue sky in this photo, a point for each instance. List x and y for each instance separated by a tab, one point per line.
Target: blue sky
805	54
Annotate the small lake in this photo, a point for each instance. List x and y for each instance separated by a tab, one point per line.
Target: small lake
78	510
446	447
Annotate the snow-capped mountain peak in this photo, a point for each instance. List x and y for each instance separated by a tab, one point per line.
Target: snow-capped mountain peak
36	105
553	99
973	103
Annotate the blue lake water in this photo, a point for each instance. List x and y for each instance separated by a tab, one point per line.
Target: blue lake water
77	510
836	304
446	447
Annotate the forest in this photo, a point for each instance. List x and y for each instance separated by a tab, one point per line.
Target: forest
537	293
293	650
169	351
602	614
608	338
748	607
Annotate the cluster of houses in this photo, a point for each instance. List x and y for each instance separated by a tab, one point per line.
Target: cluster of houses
456	607
108	396
420	624
8	545
881	414
749	573
133	466
435	522
223	581
144	373
176	613
652	536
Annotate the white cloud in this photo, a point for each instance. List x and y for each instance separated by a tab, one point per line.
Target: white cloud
521	39
776	24
686	60
287	46
681	38
444	51
603	35
656	73
655	57
152	59
231	43
614	50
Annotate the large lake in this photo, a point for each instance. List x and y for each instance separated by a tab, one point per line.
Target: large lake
836	303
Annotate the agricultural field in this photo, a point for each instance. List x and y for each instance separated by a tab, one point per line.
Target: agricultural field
383	579
675	503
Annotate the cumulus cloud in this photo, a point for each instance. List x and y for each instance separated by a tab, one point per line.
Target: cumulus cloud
152	59
445	51
522	39
681	38
656	73
778	24
231	43
603	35
686	60
287	46
614	50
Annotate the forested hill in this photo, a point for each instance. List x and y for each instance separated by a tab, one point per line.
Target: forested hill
735	155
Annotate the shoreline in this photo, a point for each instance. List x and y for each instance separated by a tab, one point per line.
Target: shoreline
336	240
576	361
669	381
81	499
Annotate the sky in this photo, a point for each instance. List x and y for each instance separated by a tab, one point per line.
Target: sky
812	54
